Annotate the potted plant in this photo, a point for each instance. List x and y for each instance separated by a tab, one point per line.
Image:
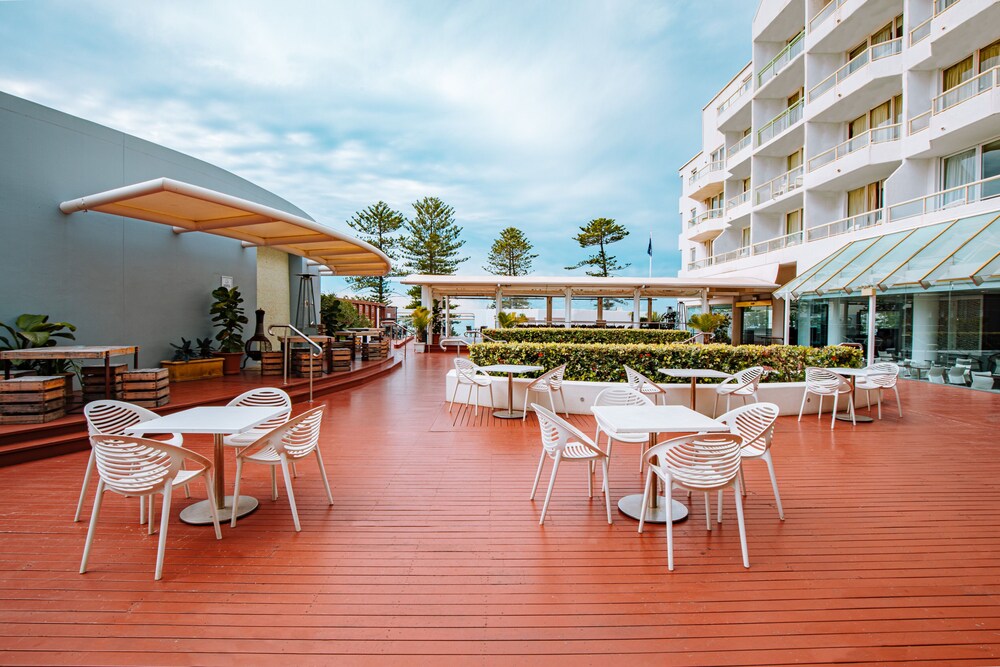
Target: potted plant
706	322
32	331
190	365
420	318
227	314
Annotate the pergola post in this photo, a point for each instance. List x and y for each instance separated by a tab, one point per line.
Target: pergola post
635	309
871	326
600	310
788	317
499	303
704	301
649	310
569	308
427	301
548	311
447	316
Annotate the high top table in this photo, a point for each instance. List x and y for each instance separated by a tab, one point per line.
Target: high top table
510	369
104	352
219	421
653	419
694	374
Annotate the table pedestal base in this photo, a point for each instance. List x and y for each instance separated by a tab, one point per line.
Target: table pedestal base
632	506
200	514
508	414
846	417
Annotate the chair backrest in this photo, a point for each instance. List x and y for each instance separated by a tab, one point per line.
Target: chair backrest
936	374
754	423
622	396
637	380
825	381
701	462
552	379
982	380
135	466
956	374
750	377
299	436
266	397
465	370
113	417
964	362
883	374
557	432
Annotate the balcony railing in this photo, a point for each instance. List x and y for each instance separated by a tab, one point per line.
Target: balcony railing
860	221
718	165
780	61
719	259
920	32
780	123
920	123
738	146
787	182
825	13
875	135
876	52
967	90
941	5
747	85
957	196
707	215
738	200
786	241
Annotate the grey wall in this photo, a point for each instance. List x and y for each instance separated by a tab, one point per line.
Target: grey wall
120	280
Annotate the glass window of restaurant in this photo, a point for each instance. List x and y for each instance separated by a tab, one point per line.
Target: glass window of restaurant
755	322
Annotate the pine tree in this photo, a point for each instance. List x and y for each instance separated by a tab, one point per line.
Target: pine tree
511	254
600	232
378	225
431	243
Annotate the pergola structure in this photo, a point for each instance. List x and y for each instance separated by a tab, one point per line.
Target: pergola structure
570	287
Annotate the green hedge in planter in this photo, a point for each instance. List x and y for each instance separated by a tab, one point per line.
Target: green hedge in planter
604	363
581	336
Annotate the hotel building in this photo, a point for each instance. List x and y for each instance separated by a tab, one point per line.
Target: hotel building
856	162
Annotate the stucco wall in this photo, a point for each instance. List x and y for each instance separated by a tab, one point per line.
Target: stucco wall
120	280
273	293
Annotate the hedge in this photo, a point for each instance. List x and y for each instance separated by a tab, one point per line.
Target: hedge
605	363
609	336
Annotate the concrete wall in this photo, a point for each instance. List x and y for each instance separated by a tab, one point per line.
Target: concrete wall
120	280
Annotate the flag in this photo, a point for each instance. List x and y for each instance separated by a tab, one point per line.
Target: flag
649	250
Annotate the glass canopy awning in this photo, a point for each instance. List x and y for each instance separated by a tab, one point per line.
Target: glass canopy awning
926	258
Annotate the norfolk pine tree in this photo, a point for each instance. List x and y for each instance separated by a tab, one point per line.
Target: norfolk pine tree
377	225
431	243
510	254
600	232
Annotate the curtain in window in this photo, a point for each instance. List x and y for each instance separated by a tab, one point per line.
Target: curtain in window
897	109
874	196
959	169
856	200
957	74
857	51
883	35
794	160
793	222
880	115
989	57
745	238
857	126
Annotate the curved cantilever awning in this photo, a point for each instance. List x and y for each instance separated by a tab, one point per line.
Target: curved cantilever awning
190	208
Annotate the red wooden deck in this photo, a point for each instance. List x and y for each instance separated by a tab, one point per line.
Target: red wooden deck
890	553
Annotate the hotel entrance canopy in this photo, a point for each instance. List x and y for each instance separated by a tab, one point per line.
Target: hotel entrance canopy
190	208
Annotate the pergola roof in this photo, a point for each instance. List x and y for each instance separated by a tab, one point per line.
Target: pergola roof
583	286
190	208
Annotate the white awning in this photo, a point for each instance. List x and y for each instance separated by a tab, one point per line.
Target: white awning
583	286
190	208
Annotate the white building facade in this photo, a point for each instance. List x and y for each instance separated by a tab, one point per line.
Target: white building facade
855	119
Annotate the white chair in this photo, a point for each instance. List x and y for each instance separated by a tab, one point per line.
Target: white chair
755	425
622	396
112	418
824	382
141	467
982	380
742	384
936	375
550	382
956	375
880	376
703	462
262	397
289	442
643	384
470	374
563	442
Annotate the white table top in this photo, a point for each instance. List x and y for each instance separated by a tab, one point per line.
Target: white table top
693	373
850	371
511	368
211	419
654	419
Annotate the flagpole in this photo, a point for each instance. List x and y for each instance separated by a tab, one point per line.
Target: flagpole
651	253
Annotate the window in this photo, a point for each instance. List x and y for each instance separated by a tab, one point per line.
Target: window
709	245
881	115
991	168
718	155
745	238
989	57
958	169
957	74
691	254
793	222
897	109
864	199
714	202
746	185
857	50
795	98
857	126
794	160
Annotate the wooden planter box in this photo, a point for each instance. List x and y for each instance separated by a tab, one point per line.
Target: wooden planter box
196	369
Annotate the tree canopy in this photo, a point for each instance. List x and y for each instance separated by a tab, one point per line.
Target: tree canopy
511	254
600	232
378	225
432	240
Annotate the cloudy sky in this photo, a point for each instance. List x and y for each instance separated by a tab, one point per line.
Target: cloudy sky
542	115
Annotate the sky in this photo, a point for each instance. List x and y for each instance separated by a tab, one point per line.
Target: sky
540	115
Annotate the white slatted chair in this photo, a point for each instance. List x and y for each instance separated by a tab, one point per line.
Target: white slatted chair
132	466
956	375
936	375
561	441
550	383
629	397
262	397
755	425
824	382
287	443
703	462
112	418
742	384
880	377
640	382
983	380
470	374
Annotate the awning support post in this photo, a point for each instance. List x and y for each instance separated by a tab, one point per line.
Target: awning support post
635	309
569	308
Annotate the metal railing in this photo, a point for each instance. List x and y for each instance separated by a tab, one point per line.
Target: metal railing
875	135
738	200
941	5
738	146
919	123
780	123
302	338
786	241
718	165
740	92
720	258
825	13
858	62
710	214
844	225
957	196
920	32
787	182
967	90
780	61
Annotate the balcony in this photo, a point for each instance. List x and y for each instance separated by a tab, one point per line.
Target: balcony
780	123
738	200
706	226
877	52
737	154
876	135
707	180
966	91
966	115
779	243
734	113
782	60
721	258
919	123
777	187
825	13
954	30
845	225
735	97
970	193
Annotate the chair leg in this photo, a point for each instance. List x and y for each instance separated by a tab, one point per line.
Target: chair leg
743	530
274	483
538	475
210	487
552	402
86	483
164	522
453	395
833	416
94	512
590	480
719	502
708	512
607	494
562	397
850	406
524	417
151	506
803	406
669	484
236	489
468	400
774	483
819	415
645	498
493	403
878	399
552	481
291	494
743	484
142	510
715	408
322	474
899	405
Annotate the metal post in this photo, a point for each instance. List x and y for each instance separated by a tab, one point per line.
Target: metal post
788	318
871	326
569	308
499	303
447	316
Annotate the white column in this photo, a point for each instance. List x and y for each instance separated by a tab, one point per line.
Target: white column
499	300
835	322
788	318
925	327
871	327
568	317
704	301
635	309
427	301
447	316
548	311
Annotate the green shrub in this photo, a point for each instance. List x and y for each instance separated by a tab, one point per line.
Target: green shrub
605	363
610	336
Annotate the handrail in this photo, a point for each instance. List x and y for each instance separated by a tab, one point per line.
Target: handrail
744	87
967	90
710	214
919	122
787	55
786	241
876	135
957	196
921	31
786	182
738	146
718	165
780	123
824	13
738	200
844	225
288	348
875	52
